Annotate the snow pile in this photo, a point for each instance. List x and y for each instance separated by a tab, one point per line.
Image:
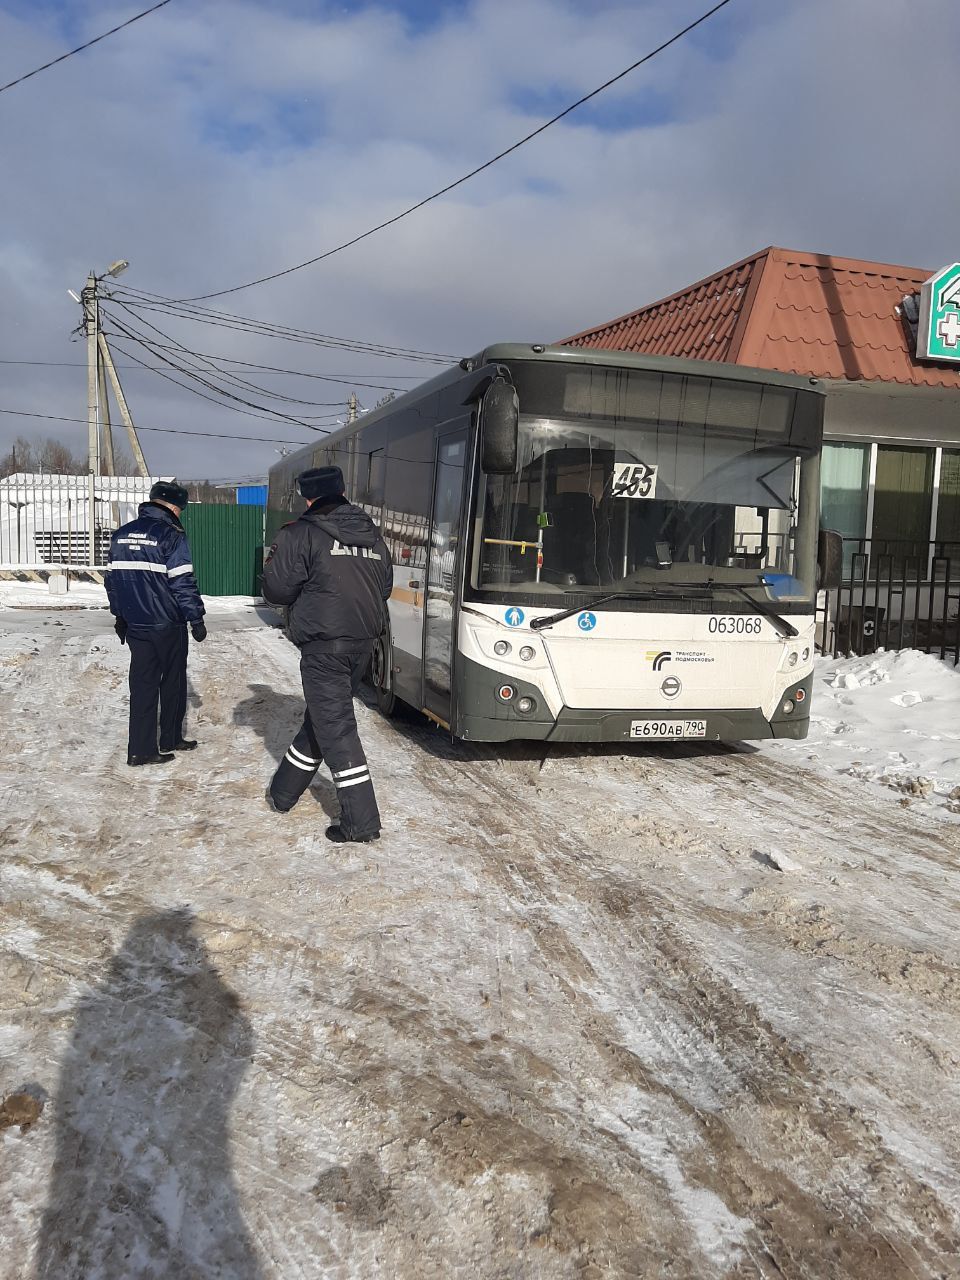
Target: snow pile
889	720
89	595
37	595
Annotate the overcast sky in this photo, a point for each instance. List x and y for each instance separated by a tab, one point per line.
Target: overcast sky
217	140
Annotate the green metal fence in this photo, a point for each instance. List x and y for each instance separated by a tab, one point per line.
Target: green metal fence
226	545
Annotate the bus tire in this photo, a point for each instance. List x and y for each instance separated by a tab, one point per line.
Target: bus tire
381	676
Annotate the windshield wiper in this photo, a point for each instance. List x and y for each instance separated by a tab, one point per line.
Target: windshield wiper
677	590
783	626
650	593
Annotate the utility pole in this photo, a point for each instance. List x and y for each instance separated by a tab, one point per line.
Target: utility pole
352	407
107	357
99	365
91	320
109	463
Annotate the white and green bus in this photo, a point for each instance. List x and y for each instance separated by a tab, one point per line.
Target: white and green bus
592	546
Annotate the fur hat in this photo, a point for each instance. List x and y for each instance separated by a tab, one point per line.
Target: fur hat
170	491
321	482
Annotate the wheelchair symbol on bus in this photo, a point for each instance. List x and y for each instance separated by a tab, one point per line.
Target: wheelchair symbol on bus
514	617
587	621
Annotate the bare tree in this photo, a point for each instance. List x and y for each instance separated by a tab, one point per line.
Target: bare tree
53	457
206	491
56	458
19	457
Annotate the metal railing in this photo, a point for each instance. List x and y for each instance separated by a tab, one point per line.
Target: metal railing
45	519
895	594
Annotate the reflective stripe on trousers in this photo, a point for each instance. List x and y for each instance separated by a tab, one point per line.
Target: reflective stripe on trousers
329	733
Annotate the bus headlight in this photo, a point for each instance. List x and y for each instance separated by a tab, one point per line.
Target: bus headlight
793	658
526	705
527	652
787	707
806	654
501	648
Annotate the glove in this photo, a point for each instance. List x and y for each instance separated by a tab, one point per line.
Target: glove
198	631
120	627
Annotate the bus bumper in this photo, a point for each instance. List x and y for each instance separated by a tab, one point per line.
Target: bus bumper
483	718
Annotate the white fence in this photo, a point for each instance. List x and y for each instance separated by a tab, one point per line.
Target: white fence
45	519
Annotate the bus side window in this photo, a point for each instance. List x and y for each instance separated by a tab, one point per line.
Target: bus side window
371	470
409	480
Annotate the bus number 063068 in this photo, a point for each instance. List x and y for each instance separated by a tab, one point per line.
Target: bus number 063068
735	626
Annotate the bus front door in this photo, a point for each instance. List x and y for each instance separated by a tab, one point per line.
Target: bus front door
445	537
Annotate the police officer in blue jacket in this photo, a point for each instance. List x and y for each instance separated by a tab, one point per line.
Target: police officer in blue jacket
153	595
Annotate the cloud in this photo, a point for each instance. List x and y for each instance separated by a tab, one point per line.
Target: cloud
219	141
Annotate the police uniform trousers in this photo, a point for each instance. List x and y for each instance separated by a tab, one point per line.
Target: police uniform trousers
329	732
158	674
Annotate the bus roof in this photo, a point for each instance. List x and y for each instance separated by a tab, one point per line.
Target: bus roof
513	351
593	356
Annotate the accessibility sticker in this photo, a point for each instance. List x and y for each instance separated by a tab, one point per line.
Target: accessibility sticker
514	617
587	621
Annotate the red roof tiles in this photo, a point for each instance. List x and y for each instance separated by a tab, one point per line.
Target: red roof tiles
805	313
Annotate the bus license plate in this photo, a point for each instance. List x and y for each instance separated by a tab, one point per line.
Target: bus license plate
668	728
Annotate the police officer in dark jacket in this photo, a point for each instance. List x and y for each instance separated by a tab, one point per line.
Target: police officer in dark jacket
333	572
153	595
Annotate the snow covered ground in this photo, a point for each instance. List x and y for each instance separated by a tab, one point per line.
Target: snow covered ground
15	594
682	1011
891	720
89	595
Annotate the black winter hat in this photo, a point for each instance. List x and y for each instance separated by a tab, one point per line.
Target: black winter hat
170	491
321	482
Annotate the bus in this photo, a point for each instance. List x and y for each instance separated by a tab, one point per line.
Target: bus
592	546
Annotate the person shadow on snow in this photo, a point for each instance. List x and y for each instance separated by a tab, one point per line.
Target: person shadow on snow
141	1183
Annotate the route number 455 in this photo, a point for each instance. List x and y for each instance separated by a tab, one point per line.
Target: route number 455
633	480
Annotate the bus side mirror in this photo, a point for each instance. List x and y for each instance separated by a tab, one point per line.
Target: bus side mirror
499	427
830	560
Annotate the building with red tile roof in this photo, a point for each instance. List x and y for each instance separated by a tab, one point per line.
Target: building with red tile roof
808	313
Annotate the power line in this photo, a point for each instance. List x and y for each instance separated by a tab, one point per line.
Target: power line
344	379
80	48
265	417
226	375
173	431
262	410
212	435
264	368
227	319
220	293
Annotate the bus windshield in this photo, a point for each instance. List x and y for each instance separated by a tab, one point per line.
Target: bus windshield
653	484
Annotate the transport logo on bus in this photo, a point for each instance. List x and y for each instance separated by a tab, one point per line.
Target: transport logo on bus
660	659
671	687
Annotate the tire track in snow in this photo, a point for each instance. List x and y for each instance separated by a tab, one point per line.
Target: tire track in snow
749	1045
628	1103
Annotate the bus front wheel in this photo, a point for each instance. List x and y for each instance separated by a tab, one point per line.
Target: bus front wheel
381	677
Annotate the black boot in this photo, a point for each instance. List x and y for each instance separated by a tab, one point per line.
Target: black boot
275	806
135	761
184	744
336	835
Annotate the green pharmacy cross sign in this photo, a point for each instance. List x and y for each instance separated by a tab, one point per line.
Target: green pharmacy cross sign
938	333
